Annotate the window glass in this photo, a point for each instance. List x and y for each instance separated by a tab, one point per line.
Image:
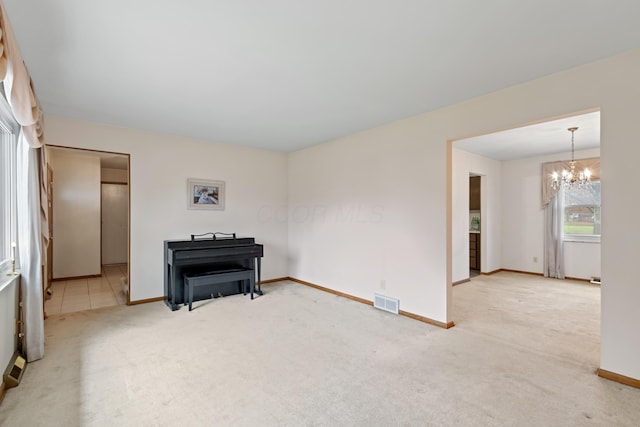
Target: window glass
8	213
7	196
582	210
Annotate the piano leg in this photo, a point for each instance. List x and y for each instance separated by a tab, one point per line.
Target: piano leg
170	280
176	278
252	283
258	262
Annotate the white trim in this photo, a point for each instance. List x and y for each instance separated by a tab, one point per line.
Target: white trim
587	238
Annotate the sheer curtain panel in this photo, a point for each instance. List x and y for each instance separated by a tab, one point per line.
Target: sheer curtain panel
30	248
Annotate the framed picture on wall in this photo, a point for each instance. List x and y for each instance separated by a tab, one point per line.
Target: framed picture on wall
205	194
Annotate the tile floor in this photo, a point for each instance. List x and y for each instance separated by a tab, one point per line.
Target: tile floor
86	294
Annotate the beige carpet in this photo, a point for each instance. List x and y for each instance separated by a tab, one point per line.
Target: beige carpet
523	353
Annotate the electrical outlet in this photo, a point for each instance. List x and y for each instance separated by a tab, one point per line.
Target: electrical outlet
535	259
383	284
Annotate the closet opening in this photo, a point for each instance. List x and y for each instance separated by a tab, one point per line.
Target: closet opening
90	227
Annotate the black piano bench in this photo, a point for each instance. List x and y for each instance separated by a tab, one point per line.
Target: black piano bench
191	281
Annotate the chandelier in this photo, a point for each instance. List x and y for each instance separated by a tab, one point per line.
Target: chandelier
570	178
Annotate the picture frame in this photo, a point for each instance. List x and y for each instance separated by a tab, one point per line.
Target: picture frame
205	194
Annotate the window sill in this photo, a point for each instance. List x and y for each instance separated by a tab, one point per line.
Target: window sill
7	279
581	239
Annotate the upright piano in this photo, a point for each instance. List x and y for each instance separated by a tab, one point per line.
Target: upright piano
196	256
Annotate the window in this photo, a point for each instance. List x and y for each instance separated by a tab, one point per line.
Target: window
582	212
8	213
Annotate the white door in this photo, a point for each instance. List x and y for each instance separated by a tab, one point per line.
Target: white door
115	224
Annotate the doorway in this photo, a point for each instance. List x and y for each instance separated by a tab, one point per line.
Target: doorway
114	231
475	237
115	235
512	222
513	219
90	229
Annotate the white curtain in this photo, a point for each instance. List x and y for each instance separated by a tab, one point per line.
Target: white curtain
26	109
554	238
30	247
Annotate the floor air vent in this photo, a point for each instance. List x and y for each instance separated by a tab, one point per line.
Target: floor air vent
389	304
13	373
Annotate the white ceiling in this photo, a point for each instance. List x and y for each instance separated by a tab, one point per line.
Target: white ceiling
285	74
536	140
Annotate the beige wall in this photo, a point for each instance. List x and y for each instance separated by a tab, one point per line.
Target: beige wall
159	167
398	176
76	214
373	210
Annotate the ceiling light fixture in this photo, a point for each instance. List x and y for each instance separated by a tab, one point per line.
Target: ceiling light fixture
571	178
